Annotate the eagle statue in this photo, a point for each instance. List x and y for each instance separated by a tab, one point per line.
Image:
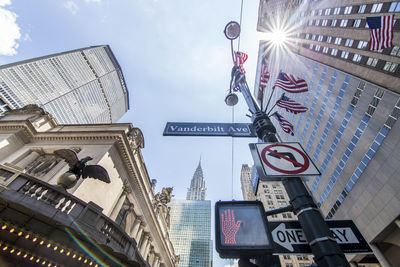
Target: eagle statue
78	169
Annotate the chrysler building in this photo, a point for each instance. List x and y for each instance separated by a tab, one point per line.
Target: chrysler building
197	190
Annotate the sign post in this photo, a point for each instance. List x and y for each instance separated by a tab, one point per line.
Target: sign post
274	161
288	237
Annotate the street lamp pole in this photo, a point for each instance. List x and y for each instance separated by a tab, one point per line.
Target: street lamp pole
324	247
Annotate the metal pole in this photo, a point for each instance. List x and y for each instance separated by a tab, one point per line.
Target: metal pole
327	252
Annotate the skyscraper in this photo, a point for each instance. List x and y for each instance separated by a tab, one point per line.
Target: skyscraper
245	180
80	86
350	129
273	196
190	232
197	190
190	227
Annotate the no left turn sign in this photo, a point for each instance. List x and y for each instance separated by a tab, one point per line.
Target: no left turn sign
285	159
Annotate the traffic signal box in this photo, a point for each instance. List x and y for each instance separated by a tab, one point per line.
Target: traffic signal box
241	229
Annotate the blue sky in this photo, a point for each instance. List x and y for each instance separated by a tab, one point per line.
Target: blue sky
176	62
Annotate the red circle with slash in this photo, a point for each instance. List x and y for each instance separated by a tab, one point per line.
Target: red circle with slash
302	166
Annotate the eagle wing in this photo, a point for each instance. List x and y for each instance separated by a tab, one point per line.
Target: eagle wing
96	172
68	155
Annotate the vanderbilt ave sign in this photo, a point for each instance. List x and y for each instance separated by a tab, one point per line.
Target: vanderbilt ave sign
208	129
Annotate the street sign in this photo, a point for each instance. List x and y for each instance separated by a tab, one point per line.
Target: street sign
241	229
289	237
277	160
208	129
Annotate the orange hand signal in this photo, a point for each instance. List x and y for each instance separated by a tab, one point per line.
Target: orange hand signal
229	226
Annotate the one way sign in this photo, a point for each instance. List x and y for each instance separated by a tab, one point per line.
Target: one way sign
289	237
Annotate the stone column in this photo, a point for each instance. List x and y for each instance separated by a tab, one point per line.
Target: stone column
143	246
135	226
118	206
139	234
147	249
33	155
154	259
130	219
156	262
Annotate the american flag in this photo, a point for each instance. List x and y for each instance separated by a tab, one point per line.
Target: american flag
290	105
287	127
381	32
264	75
290	83
240	59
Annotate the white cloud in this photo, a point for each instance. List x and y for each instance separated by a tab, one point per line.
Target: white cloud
71	6
5	2
9	30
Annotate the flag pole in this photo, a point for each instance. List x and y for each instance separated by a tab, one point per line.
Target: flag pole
270	110
266	107
233	52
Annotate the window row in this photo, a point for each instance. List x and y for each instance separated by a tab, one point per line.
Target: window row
356	9
378	64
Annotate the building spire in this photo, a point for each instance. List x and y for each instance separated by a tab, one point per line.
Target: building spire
197	190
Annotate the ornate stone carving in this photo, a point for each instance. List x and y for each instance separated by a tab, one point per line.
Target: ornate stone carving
160	203
135	139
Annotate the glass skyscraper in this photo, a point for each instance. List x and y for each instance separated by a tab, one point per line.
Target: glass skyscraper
190	232
190	229
82	86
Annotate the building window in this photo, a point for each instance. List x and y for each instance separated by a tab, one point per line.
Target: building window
334	52
317	22
276	186
307	36
268	197
395	7
329	39
282	203
311	46
349	43
320	37
320	12
324	22
372	62
336	11
343	23
312	12
286	257
325	50
376	8
347	9
344	54
279	197
362	44
310	22
357	23
265	186
357	58
313	37
338	40
395	51
390	66
361	9
269	202
278	191
327	11
334	21
266	191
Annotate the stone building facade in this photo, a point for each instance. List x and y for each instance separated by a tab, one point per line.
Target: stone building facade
121	223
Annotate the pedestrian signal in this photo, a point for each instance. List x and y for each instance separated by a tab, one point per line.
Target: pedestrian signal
241	229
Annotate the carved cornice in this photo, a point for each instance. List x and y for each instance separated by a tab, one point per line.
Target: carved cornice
139	181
